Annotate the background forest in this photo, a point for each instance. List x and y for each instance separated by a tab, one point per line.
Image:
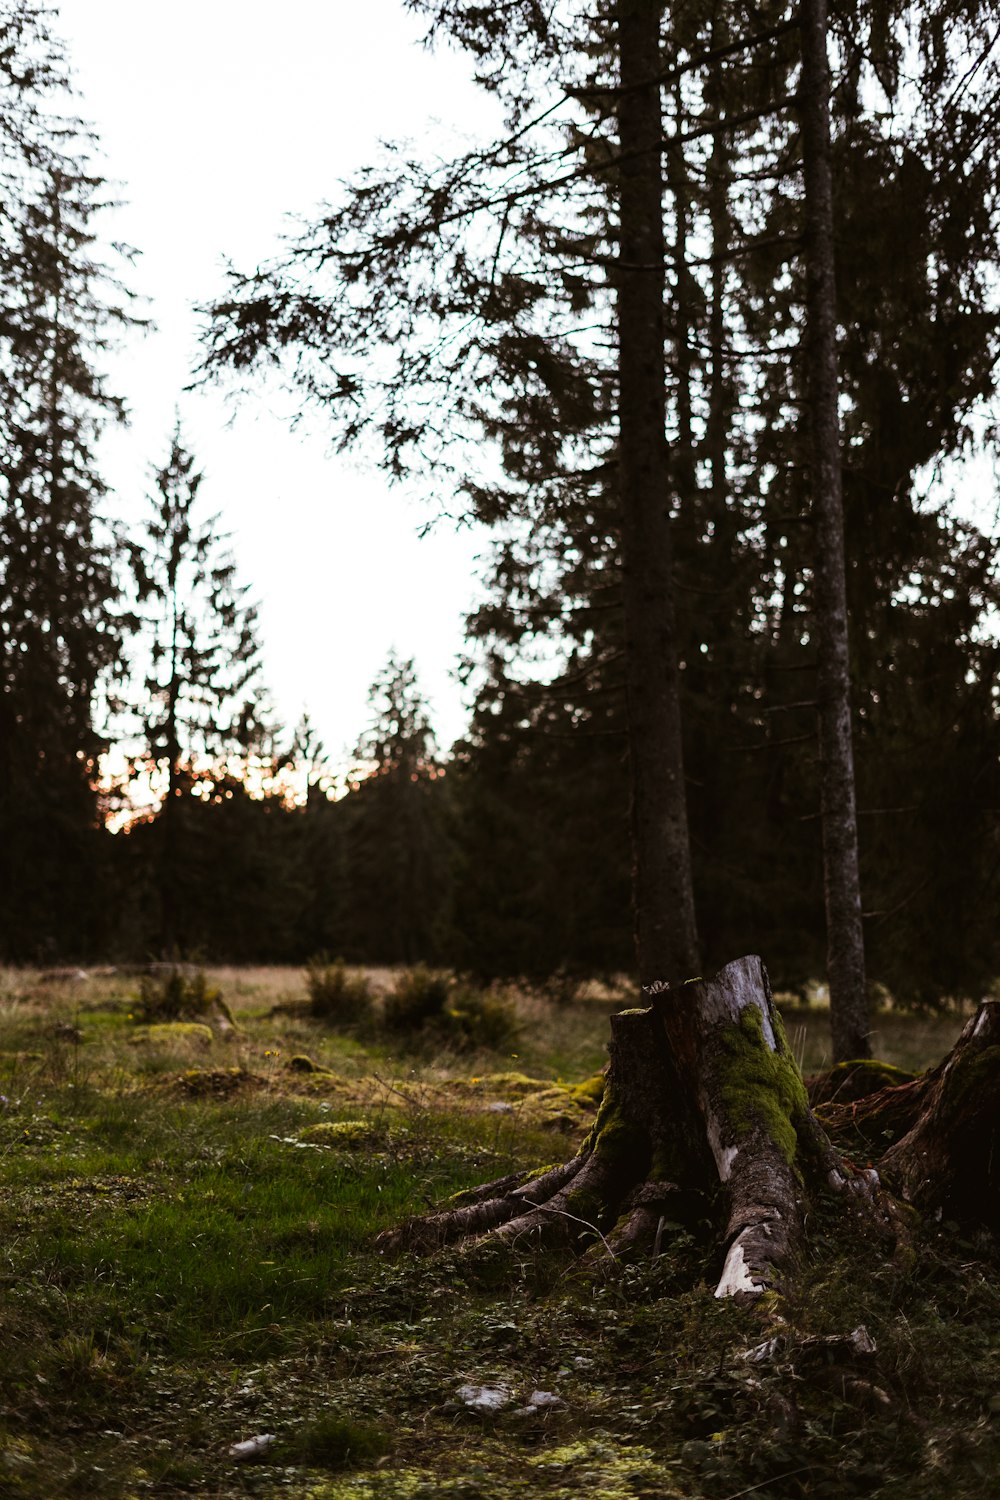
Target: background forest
454	317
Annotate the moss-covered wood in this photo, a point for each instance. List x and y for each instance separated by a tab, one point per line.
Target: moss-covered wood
705	1118
703	1112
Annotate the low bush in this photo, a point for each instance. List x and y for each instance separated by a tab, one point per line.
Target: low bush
418	998
475	1018
336	995
428	1003
180	994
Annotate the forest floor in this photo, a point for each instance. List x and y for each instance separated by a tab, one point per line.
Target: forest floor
186	1263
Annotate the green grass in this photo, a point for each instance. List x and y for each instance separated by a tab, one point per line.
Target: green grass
185	1262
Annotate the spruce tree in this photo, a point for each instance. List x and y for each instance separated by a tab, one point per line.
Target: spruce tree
394	829
199	710
60	613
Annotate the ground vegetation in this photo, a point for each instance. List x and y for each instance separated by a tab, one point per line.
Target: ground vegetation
190	1265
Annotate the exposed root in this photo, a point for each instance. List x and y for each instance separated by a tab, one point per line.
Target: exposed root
703	1100
491	1208
949	1161
586	1205
848	1082
645	1213
875	1122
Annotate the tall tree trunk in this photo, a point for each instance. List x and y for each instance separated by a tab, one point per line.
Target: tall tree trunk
170	812
682	326
666	934
841	880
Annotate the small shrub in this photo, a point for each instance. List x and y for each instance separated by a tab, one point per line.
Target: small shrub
177	995
477	1019
418	998
337	996
562	987
431	1004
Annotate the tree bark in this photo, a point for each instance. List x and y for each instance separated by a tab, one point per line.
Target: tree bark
703	1098
705	1117
842	884
948	1162
666	934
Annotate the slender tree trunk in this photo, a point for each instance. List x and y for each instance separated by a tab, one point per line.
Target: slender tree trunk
170	812
683	322
842	885
666	936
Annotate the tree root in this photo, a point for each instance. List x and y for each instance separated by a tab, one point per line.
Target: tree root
704	1104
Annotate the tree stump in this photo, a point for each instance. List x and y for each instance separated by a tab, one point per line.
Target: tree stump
703	1097
948	1161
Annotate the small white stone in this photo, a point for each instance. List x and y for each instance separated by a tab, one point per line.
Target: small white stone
484	1398
254	1447
762	1353
862	1341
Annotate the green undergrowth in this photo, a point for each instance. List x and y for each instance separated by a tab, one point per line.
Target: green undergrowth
187	1262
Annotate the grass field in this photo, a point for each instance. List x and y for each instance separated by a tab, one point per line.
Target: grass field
187	1219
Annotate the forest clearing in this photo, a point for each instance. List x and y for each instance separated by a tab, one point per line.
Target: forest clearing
686	333
190	1211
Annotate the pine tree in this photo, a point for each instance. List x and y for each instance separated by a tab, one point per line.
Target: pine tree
394	829
201	716
60	615
842	881
666	935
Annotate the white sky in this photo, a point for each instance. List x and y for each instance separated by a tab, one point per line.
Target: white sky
218	117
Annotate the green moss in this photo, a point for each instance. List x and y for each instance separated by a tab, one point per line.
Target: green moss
612	1137
761	1087
617	1139
301	1063
602	1469
540	1172
875	1068
516	1084
337	1133
590	1092
176	1031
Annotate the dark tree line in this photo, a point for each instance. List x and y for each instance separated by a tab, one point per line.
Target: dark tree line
620	301
703	171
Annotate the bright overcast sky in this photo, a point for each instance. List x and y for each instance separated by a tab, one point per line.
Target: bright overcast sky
218	117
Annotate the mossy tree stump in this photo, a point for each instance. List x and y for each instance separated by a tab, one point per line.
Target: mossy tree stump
704	1101
703	1096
